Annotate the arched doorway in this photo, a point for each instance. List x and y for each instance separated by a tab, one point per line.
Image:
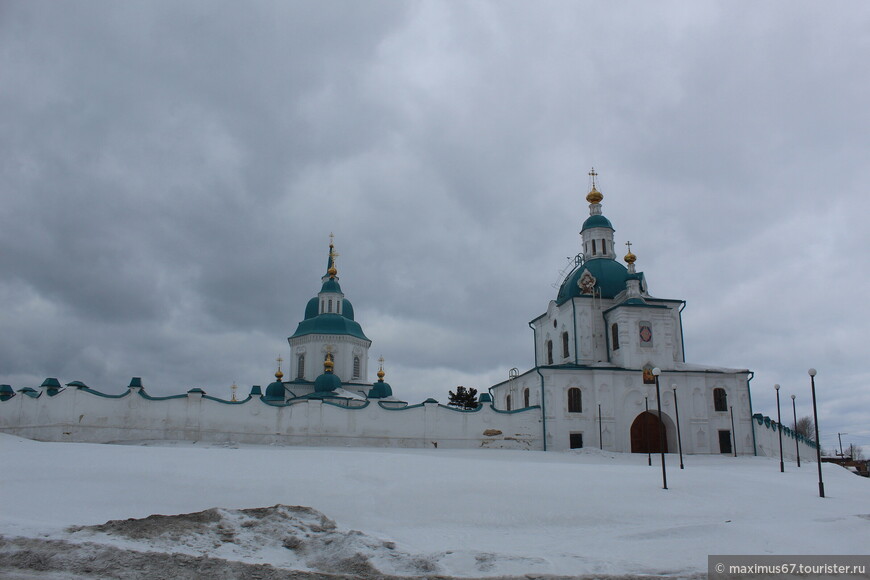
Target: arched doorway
646	434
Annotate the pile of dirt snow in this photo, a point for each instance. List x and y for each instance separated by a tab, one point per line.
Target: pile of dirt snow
288	537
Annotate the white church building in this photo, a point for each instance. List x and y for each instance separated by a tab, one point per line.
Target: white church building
597	348
601	347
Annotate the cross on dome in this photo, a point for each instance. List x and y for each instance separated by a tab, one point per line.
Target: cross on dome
278	374
594	197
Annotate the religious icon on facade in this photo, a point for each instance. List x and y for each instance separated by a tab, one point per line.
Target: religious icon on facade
586	282
648	377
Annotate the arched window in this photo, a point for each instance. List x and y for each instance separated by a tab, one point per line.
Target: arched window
330	305
593	248
507	402
564	345
526	397
549	352
614	335
720	399
300	366
603	246
575	400
356	367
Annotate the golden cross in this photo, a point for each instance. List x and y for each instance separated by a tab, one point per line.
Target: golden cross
593	175
280	360
381	360
629	246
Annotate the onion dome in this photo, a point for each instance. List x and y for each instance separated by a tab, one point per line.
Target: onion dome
606	278
380	389
274	392
594	196
596	221
329	312
630	258
327	381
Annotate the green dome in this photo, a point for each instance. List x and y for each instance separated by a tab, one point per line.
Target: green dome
327	382
596	221
331	285
275	391
380	390
347	308
610	277
329	324
312	308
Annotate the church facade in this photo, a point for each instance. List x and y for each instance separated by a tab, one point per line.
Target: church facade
610	373
600	348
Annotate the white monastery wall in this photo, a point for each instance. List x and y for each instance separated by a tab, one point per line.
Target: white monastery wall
767	440
87	416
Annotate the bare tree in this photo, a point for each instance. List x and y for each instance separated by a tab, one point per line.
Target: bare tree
805	427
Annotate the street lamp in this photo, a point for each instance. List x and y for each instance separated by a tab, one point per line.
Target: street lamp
779	428
656	372
646	441
679	437
812	373
797	448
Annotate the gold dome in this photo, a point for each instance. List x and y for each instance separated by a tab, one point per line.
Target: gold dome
630	258
594	196
327	365
279	375
381	374
332	271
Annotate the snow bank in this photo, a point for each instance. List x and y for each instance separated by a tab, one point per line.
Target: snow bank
425	512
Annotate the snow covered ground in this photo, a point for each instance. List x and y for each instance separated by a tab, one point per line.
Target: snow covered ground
418	512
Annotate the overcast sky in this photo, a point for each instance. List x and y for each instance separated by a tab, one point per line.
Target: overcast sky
170	173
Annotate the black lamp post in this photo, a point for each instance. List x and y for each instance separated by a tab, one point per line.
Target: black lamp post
733	431
656	372
648	453
779	428
600	433
797	448
812	373
679	437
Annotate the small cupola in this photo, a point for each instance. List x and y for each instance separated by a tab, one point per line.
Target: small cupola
327	381
597	231
275	390
380	389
